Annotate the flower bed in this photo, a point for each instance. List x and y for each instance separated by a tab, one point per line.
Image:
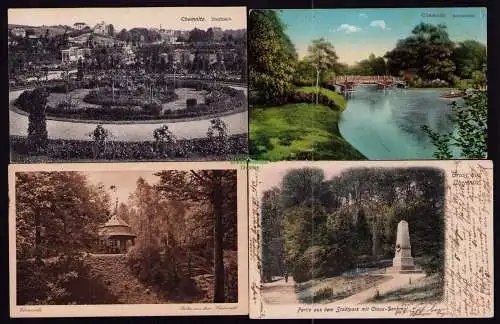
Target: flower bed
65	150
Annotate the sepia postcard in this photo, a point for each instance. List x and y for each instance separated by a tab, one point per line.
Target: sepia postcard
127	84
368	84
149	239
371	239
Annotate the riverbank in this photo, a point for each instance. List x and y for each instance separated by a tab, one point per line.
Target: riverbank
299	131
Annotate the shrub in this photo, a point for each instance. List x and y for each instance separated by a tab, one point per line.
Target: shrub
191	102
147	263
322	294
152	108
231	282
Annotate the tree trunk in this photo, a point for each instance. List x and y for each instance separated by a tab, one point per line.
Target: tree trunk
317	85
218	249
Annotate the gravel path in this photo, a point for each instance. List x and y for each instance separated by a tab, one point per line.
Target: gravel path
280	292
398	281
237	124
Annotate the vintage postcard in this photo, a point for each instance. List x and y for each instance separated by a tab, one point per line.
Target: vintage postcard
149	239
127	84
371	239
376	84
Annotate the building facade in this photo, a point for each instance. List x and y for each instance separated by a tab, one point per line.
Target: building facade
73	54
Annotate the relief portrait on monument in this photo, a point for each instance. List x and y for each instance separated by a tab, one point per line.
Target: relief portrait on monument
155	236
362	239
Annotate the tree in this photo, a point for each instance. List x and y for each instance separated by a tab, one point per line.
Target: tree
428	52
322	55
469	56
217	135
111	30
301	185
164	140
471	120
100	135
272	235
217	187
37	139
272	57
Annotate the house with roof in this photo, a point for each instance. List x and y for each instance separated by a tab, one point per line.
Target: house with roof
79	25
116	236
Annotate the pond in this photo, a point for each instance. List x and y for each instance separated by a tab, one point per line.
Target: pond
386	125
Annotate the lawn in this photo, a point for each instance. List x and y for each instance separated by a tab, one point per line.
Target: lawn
429	289
332	289
291	131
338	98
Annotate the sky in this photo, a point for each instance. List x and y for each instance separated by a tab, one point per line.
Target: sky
355	33
125	181
153	17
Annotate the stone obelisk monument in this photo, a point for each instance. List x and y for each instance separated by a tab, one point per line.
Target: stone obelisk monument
403	261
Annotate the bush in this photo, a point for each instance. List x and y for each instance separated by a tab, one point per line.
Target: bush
147	263
300	97
323	293
62	281
191	102
152	108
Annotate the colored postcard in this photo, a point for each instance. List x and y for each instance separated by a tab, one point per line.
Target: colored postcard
154	239
371	239
376	84
127	84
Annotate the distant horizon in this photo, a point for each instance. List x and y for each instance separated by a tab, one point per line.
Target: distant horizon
174	18
356	33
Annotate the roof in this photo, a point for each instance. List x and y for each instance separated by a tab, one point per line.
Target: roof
115	220
116	226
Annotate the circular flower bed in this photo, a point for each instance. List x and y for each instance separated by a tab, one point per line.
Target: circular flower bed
104	104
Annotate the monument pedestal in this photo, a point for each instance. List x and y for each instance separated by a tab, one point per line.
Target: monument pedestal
403	261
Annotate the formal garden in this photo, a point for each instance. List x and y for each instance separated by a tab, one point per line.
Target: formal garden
121	98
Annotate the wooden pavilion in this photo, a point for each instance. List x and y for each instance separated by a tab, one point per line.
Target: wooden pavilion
115	236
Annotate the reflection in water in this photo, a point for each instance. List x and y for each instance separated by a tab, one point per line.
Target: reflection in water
387	124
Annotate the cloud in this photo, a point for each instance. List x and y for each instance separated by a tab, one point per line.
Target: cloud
349	28
363	15
379	23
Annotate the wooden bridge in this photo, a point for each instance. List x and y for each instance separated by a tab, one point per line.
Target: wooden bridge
345	83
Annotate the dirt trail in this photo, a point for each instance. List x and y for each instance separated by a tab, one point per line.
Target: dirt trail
397	281
114	273
280	292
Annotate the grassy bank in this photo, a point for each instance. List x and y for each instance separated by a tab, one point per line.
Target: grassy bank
336	97
429	289
298	131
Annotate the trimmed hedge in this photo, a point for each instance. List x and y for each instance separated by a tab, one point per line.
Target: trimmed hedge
129	151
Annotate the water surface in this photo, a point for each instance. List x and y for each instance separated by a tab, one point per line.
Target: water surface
386	125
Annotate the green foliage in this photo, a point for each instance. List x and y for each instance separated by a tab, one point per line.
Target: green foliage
37	138
330	94
272	237
272	57
427	52
469	56
471	118
328	226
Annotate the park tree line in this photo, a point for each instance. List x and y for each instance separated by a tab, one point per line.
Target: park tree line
426	58
314	227
57	219
185	223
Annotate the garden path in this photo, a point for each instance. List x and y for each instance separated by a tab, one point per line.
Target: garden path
130	132
280	292
398	281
